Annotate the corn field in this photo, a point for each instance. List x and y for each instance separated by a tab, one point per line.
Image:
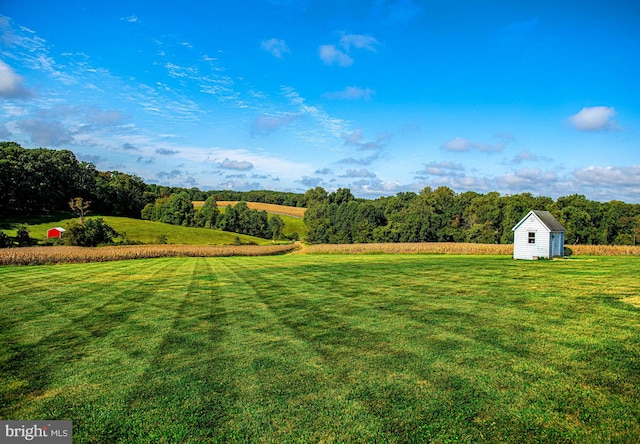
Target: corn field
458	248
409	248
605	250
65	254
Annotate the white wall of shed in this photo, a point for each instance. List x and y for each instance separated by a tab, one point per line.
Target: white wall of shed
522	249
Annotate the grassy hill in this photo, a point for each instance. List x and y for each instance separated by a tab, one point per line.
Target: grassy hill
136	230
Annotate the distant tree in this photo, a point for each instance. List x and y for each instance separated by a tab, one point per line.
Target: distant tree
209	213
276	225
23	238
80	207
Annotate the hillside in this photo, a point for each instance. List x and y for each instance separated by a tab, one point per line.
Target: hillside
136	230
291	216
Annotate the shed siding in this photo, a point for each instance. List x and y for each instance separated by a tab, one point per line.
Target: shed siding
522	249
54	232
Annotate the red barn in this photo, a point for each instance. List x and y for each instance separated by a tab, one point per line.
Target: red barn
55	232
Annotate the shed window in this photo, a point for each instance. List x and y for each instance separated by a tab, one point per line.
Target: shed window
532	237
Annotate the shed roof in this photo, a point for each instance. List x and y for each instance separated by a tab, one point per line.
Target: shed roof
57	228
546	218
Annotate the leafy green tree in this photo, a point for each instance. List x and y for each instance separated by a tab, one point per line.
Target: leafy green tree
229	220
514	208
179	210
276	225
317	217
209	213
484	233
93	232
120	193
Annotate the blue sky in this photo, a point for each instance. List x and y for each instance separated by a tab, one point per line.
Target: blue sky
379	96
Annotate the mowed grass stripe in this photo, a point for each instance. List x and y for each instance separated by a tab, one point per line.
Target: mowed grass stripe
283	384
184	387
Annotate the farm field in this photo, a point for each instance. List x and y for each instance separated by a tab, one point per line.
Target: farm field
326	348
269	208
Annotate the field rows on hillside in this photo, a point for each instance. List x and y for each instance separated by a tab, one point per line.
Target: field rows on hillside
269	208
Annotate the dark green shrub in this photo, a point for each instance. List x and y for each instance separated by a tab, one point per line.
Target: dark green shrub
5	241
90	234
23	238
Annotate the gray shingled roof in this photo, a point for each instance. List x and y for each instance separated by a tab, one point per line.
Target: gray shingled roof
548	219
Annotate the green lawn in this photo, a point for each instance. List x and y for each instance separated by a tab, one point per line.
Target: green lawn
297	348
136	230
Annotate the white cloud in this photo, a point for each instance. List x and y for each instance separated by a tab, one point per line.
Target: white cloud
11	84
359	173
457	144
331	55
460	144
358	41
524	156
167	152
322	128
130	19
596	118
46	132
355	139
364	162
351	93
311	182
628	176
276	47
236	165
441	169
526	179
267	124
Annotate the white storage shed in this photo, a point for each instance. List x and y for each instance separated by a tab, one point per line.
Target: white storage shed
538	235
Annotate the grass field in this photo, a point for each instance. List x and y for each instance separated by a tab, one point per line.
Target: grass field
325	348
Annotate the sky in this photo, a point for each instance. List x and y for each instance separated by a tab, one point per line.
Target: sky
378	96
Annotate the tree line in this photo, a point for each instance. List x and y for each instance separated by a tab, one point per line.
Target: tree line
44	180
442	215
178	209
36	180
